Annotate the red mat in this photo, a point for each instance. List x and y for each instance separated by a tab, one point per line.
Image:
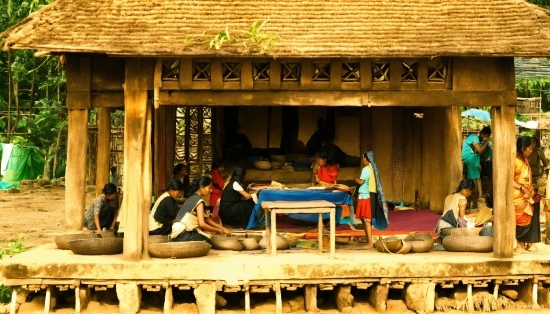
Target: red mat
400	222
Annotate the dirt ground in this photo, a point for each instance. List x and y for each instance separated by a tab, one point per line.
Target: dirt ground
37	215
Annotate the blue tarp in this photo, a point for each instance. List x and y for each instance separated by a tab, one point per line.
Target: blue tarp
478	114
336	197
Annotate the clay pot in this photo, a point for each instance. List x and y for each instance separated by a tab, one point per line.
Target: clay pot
282	243
221	242
249	243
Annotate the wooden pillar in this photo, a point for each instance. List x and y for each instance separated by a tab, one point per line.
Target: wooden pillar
78	103
103	160
503	158
365	138
452	147
136	145
159	152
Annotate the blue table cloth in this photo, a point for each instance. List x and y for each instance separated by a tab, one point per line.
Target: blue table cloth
257	218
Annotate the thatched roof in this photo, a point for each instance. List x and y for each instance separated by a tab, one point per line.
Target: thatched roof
310	28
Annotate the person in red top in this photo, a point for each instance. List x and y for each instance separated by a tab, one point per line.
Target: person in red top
325	171
217	181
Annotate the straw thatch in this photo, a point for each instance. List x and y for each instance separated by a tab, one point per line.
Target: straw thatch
343	28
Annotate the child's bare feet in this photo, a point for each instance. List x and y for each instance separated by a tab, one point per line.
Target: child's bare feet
368	245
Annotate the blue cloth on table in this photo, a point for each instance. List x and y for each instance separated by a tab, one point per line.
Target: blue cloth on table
335	197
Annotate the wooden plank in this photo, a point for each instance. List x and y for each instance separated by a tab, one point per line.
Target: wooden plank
78	100
103	158
78	72
274	74
503	155
365	71
439	98
301	204
147	172
186	73
335	74
395	74
159	175
216	78
246	75
109	99
107	73
422	74
306	75
365	136
157	81
135	141
75	177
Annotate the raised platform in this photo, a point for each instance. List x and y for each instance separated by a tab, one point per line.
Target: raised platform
257	272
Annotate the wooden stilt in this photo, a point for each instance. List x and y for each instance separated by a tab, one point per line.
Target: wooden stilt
310	298
48	300
77	307
247	300
278	298
13	303
135	144
452	146
168	300
273	228
320	233
536	295
75	177
495	291
503	156
332	232
147	179
470	298
103	149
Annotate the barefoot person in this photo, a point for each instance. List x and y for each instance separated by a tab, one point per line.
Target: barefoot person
165	209
454	211
363	210
192	223
103	211
325	171
378	205
527	210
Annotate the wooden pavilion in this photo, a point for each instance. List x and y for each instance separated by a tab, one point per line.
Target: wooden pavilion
389	58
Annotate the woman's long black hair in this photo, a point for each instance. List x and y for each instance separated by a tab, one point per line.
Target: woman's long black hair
178	168
174	185
522	143
323	155
198	183
465	184
109	188
238	174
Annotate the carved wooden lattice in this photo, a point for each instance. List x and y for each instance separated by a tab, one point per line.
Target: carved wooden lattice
194	138
321	72
350	72
409	72
231	71
170	69
437	70
201	71
381	72
260	71
290	72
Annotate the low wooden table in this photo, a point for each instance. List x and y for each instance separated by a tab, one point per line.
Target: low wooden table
298	207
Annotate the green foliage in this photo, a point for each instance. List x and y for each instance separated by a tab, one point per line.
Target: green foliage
15	246
535	88
542	3
254	40
5	294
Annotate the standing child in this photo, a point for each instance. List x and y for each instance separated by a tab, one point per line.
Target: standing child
363	210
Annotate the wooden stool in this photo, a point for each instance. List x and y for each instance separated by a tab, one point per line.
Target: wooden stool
299	207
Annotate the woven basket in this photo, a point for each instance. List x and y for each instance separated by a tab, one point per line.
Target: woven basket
105	246
446	231
392	244
292	241
465	232
262	165
279	158
486	231
282	243
249	243
221	242
62	241
468	244
419	236
179	249
277	164
158	239
107	234
421	246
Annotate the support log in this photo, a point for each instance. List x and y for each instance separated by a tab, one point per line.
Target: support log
135	156
310	296
278	298
168	300
503	156
452	146
103	149
75	177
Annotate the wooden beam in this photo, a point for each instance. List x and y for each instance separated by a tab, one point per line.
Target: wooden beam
147	177
107	99
502	120
159	154
365	71
396	66
365	137
452	147
75	177
135	151
335	74
78	100
103	149
439	98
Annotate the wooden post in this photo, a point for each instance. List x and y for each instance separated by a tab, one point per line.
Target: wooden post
75	177
78	102
452	147
103	160
135	156
503	157
147	178
278	298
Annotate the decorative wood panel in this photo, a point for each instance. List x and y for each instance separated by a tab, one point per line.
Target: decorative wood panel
398	155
